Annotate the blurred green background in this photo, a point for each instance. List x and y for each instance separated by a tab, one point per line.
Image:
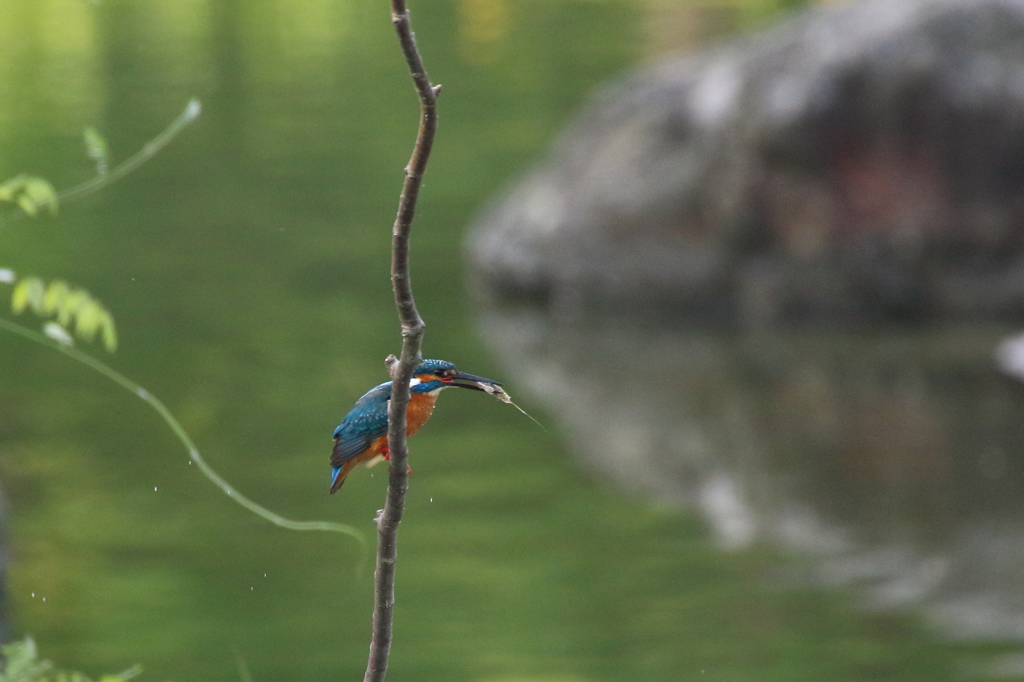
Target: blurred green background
247	268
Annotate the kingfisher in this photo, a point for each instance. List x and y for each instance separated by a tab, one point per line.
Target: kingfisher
362	436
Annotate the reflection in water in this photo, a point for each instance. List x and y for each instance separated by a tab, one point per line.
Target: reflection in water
891	461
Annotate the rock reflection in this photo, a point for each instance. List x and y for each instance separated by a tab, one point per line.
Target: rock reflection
891	460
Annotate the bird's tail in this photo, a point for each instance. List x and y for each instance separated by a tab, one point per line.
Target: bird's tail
337	478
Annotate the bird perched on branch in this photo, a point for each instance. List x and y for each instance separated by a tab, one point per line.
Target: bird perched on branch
362	436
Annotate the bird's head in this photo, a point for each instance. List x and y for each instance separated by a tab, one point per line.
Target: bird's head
432	375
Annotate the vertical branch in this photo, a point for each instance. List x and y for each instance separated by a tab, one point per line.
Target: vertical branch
401	371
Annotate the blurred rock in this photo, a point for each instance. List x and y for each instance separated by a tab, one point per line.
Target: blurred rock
858	162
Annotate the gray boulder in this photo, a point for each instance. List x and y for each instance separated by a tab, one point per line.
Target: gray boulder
857	162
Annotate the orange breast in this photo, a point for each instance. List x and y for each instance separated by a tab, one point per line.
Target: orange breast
421	406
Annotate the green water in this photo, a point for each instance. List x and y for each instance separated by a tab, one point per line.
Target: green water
247	268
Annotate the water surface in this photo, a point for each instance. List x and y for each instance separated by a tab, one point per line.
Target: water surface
247	268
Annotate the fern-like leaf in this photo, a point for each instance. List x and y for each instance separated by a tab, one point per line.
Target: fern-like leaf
21	663
29	293
70	307
30	193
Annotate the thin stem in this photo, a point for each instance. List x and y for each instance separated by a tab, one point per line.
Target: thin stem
148	151
179	431
401	371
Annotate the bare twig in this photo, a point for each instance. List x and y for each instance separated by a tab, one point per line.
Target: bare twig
401	371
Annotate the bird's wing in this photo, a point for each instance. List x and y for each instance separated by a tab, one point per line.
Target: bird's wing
349	444
367	421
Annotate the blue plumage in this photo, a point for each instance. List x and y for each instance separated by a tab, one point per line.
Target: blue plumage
361	437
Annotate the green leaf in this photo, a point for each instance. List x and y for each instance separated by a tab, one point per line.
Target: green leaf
10	187
29	292
19	298
20	663
41	193
69	306
26	204
30	193
96	149
109	332
56	293
72	303
87	321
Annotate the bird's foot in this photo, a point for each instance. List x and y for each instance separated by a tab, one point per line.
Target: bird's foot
387	458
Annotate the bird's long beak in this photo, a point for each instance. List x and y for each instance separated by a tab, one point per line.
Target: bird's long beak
472	381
